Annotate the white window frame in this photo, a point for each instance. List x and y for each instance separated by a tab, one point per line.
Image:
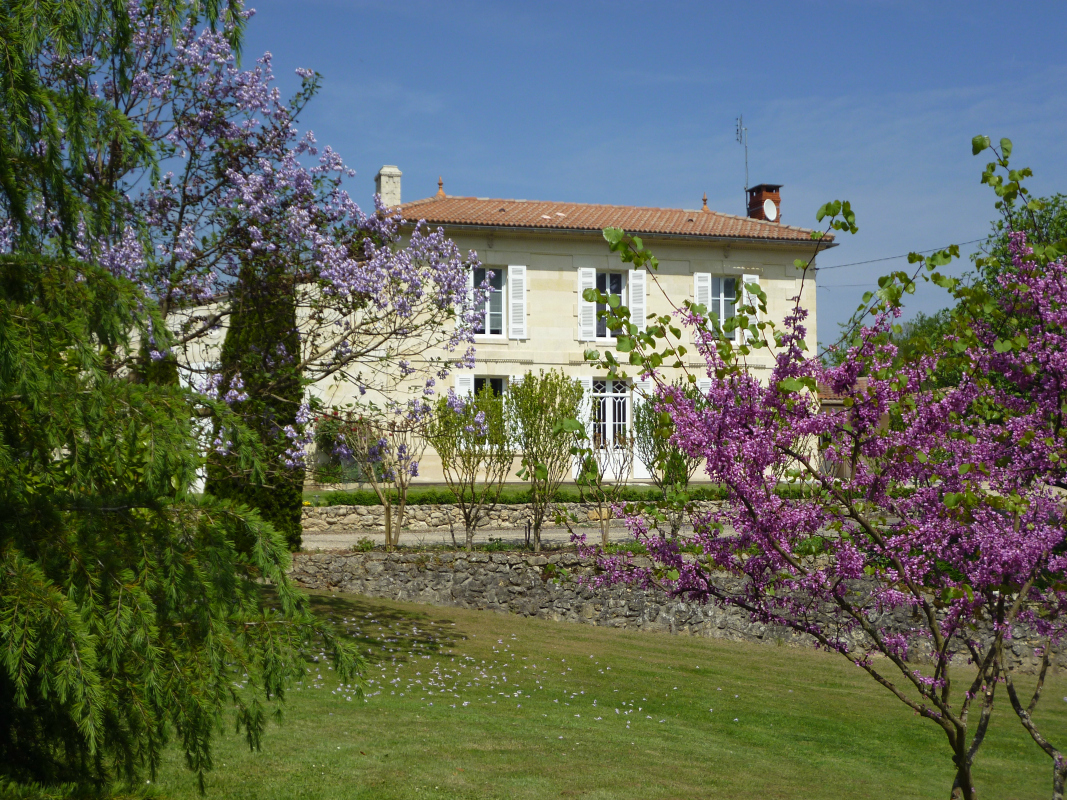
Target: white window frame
623	297
504	294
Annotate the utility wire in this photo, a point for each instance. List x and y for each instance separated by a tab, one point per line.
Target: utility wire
892	258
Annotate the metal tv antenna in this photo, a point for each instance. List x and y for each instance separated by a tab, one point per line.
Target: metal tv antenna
742	138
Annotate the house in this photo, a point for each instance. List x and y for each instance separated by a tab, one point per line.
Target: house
544	254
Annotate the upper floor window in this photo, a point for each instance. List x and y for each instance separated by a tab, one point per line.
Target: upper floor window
628	286
724	301
718	294
490	318
609	283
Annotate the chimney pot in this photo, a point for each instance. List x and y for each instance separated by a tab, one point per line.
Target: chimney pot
387	184
765	202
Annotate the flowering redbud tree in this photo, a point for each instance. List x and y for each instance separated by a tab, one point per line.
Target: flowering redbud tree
927	524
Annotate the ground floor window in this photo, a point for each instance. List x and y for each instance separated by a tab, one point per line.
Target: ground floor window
496	385
611	413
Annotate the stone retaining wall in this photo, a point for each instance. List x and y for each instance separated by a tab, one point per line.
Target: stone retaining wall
340	519
546	586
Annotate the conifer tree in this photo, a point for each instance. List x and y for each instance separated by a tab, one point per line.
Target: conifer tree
259	364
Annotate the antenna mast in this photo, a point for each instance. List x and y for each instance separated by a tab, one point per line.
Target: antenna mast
742	138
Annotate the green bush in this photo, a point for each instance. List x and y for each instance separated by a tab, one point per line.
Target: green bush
433	495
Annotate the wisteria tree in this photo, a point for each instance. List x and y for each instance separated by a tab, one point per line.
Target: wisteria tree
217	198
927	525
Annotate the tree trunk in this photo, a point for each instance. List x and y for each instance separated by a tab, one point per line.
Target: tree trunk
470	538
537	537
605	524
1059	776
389	527
963	785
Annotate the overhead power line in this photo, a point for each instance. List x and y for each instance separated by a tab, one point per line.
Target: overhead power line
893	258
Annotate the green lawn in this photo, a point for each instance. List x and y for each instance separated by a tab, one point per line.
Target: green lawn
466	704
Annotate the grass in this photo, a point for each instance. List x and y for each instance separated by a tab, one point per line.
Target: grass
467	704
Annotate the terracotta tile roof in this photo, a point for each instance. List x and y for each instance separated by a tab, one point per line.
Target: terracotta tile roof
828	395
480	211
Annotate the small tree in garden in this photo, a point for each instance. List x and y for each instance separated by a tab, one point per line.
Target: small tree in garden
470	436
671	468
387	448
935	531
603	463
534	407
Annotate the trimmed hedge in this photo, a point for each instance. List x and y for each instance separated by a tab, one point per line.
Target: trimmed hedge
433	495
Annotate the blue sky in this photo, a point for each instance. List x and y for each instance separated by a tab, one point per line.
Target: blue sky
634	103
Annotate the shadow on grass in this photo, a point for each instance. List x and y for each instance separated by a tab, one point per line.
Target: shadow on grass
386	632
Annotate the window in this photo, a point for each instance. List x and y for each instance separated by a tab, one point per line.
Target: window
609	283
496	385
724	301
491	311
610	414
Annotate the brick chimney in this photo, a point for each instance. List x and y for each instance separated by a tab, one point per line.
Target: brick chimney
765	202
387	184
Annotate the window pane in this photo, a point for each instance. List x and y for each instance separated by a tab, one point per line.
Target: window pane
602	286
600	421
496	310
729	301
618	428
496	385
479	322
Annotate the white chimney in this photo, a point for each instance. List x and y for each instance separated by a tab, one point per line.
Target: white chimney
387	184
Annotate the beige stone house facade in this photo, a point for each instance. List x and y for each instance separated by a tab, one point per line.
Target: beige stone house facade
543	255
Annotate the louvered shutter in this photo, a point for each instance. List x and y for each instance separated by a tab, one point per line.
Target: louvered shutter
638	302
586	310
702	290
470	288
464	384
585	414
750	299
703	386
644	392
517	302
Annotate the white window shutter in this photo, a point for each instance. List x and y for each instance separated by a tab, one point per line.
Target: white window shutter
644	392
704	386
470	287
644	389
517	302
702	289
638	303
515	380
750	299
585	410
586	310
464	384
585	415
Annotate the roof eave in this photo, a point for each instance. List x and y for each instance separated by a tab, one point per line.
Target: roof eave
644	235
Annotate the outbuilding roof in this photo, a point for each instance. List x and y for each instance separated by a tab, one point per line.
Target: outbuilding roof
545	215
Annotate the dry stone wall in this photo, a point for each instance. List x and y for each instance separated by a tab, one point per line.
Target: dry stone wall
549	587
342	519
